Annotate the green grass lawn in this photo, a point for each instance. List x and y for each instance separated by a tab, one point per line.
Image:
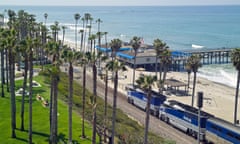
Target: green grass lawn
40	119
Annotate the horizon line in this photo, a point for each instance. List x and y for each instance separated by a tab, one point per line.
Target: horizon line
126	5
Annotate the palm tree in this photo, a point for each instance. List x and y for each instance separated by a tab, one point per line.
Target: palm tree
24	46
54	50
188	69
76	17
105	103
115	66
136	43
235	58
162	52
45	17
92	59
86	19
81	42
166	61
146	82
11	45
194	62
3	43
55	28
70	56
115	46
63	29
99	21
106	45
83	63
92	39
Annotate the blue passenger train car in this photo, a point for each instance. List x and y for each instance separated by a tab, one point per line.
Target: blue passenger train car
138	98
219	131
184	117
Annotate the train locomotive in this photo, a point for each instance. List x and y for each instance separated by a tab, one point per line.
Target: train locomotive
185	118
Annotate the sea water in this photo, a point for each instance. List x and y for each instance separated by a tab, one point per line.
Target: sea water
179	26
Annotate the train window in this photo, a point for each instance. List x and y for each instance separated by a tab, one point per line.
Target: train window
230	134
216	128
238	138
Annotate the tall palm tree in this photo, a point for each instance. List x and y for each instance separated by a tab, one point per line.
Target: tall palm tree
194	62
45	17
188	69
106	45
83	62
92	59
36	43
76	17
235	58
3	43
24	46
92	39
86	19
115	46
11	47
115	66
162	52
166	61
146	82
55	28
54	50
63	38
99	21
70	56
81	41
105	103
136	43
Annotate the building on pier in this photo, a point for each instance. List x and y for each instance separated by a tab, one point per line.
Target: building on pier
146	57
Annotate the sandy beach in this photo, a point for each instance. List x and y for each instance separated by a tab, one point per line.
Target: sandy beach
218	98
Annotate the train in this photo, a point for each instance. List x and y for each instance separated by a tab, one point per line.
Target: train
213	130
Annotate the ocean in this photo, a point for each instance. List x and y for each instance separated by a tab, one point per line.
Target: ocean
179	26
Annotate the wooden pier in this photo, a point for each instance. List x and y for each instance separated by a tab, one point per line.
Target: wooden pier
208	56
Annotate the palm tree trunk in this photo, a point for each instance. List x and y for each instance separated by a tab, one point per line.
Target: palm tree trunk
55	110
156	66
81	42
134	68
24	89
7	70
105	105
194	84
236	99
30	97
147	117
114	105
165	73
13	102
94	102
51	110
2	73
83	101
70	103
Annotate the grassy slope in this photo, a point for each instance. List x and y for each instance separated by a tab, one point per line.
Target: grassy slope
40	119
125	127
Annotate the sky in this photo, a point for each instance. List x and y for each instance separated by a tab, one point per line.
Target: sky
119	2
